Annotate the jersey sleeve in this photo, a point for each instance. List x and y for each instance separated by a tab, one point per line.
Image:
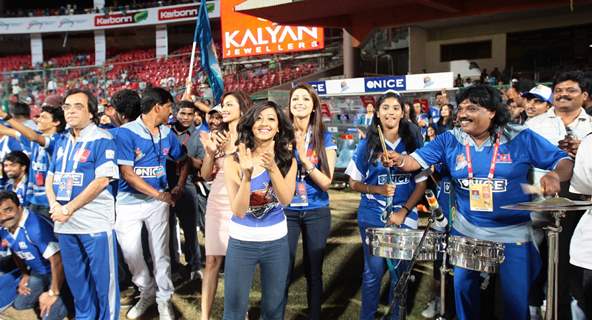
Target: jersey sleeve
329	141
434	152
125	147
358	165
542	153
177	151
43	237
105	165
15	145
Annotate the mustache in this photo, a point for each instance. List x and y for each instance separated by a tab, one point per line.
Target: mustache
4	220
464	119
564	97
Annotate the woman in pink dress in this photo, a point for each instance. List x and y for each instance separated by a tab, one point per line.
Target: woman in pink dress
218	213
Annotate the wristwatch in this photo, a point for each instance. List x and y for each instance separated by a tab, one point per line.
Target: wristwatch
52	293
7	117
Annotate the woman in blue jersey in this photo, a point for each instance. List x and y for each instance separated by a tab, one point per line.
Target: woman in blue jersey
260	179
309	211
369	177
489	159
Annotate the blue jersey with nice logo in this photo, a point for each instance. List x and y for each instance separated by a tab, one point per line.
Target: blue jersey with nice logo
40	158
20	189
33	241
519	150
147	154
73	166
316	197
373	205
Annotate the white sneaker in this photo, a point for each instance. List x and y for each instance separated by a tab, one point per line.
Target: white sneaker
165	310
140	307
431	309
196	275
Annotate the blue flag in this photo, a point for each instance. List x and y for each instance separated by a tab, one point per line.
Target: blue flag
209	59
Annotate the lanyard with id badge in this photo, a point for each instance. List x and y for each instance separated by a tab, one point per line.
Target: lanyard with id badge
300	198
67	180
481	194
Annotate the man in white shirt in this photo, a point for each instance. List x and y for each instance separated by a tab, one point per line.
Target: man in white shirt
566	124
581	243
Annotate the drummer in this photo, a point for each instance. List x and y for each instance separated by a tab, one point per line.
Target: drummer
489	159
369	177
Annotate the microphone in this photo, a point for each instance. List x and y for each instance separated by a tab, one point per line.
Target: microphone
440	220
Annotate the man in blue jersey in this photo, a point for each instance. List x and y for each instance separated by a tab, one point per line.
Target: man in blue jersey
50	122
16	166
9	276
83	210
143	197
488	160
32	241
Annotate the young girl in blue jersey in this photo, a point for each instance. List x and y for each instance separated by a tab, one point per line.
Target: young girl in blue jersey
309	211
369	177
489	158
260	179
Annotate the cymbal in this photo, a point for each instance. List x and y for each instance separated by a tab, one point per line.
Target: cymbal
551	204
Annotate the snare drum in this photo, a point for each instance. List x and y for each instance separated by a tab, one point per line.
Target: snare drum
401	243
474	254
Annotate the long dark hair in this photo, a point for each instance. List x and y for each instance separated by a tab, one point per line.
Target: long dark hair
284	138
489	98
316	123
244	102
373	140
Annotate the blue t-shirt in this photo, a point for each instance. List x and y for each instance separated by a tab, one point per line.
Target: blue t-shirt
373	205
317	198
265	220
78	162
20	189
33	241
147	154
519	150
40	158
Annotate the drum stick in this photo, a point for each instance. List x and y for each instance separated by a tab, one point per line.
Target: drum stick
381	136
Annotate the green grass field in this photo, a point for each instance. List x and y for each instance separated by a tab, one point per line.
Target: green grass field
341	274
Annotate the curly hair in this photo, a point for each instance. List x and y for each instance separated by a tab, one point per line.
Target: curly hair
404	131
316	123
489	98
284	138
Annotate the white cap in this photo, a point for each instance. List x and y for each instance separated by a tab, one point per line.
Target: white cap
542	92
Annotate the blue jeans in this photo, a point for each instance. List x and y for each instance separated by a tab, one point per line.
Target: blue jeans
39	283
315	225
241	259
374	269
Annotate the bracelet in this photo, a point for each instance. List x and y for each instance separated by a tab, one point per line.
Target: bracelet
367	188
402	164
405	207
309	171
7	117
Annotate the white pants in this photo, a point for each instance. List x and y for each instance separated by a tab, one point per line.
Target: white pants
128	225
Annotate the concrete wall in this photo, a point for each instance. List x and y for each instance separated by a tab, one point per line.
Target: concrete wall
498	53
418	38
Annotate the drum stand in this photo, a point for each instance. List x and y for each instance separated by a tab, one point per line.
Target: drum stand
553	259
400	292
443	272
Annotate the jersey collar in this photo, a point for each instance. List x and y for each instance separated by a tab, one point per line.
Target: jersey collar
21	224
87	132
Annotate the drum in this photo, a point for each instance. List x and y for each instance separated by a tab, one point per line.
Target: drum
401	243
474	254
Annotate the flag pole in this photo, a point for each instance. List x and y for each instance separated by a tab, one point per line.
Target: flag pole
193	47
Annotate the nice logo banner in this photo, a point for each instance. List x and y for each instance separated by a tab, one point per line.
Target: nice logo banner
244	35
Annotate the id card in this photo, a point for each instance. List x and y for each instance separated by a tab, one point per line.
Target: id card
300	198
481	196
66	183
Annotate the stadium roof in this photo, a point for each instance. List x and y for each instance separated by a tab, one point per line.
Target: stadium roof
360	17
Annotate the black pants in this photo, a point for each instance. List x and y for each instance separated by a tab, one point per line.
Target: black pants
315	226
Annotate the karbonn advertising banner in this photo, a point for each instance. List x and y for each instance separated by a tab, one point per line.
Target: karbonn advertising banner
84	22
379	85
244	35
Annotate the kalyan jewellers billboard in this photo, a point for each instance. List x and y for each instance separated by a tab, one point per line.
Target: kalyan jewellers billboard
244	35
